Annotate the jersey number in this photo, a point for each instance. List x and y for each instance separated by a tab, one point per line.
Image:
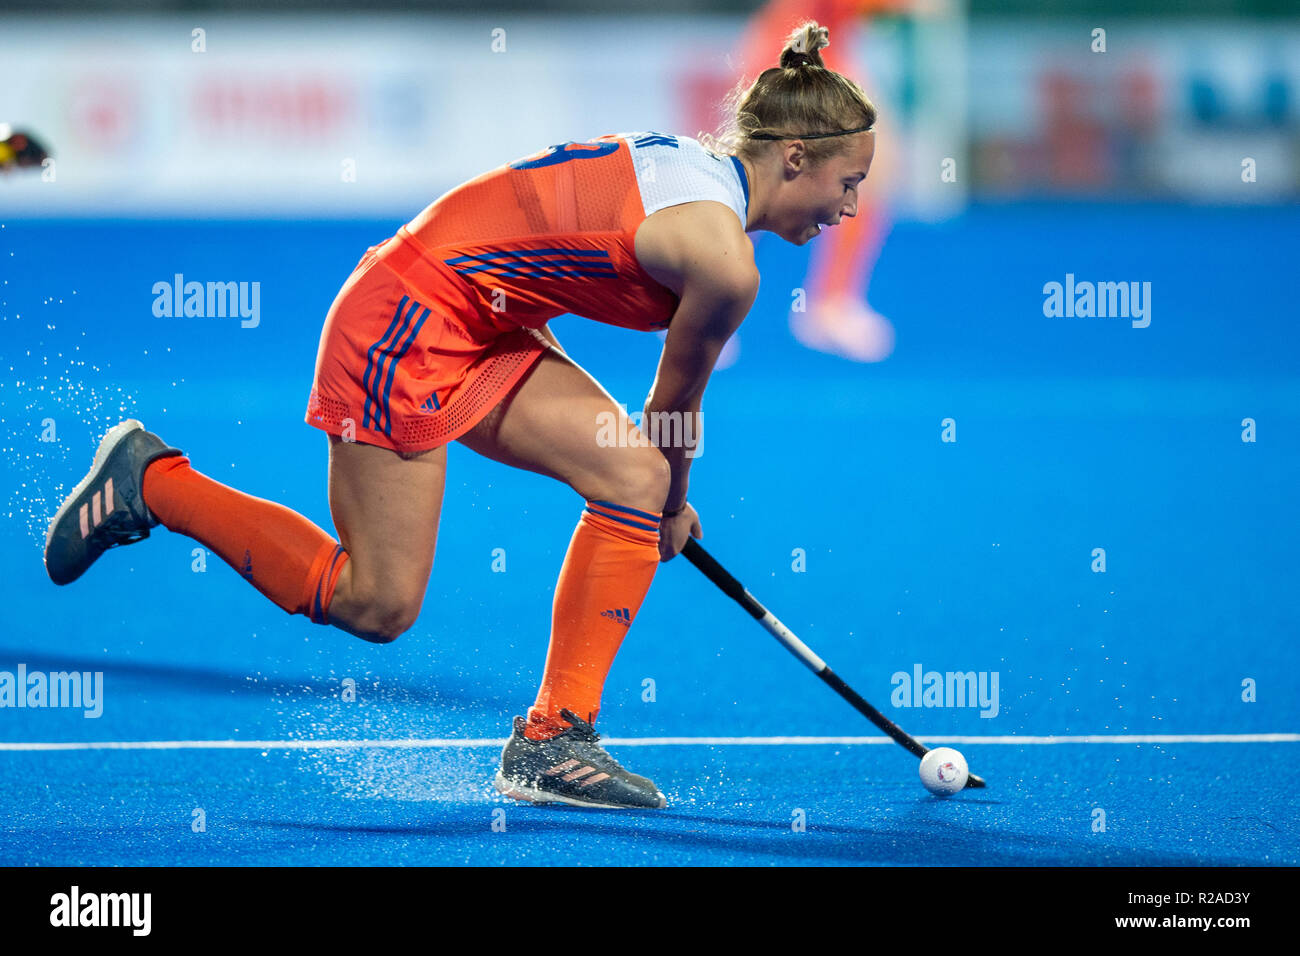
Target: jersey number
563	152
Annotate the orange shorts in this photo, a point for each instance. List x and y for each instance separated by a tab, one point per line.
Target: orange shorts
397	367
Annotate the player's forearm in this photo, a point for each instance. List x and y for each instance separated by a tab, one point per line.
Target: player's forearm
672	419
677	489
675	429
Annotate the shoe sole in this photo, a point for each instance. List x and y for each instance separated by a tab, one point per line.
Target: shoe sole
106	446
518	791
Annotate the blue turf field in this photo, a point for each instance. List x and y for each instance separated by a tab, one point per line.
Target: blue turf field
1072	434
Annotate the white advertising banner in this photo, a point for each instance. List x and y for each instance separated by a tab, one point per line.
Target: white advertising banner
328	116
238	116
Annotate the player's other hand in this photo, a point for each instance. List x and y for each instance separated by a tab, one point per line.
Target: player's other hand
674	531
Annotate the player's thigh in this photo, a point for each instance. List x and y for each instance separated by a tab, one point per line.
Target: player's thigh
385	507
558	421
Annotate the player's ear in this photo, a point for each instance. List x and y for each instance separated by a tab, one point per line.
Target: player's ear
795	155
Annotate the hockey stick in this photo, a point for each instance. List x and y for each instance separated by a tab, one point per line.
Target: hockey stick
735	590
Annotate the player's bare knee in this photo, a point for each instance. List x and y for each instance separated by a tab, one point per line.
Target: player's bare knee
644	481
390	621
386	613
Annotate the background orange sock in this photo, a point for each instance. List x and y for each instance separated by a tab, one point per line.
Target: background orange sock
607	571
281	553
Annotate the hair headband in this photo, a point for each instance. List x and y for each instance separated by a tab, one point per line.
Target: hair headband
840	132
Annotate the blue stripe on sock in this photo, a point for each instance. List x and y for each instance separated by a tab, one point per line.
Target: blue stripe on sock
626	521
647	515
318	610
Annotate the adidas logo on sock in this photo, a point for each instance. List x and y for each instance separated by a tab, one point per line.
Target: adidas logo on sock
621	615
247	569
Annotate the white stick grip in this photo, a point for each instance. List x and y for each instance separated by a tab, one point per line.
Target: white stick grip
796	647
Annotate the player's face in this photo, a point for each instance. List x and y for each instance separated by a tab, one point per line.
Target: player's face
823	193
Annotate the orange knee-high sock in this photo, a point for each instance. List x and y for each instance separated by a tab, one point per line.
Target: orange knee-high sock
281	553
607	571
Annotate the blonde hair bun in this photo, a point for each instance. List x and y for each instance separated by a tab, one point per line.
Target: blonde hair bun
802	46
793	101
